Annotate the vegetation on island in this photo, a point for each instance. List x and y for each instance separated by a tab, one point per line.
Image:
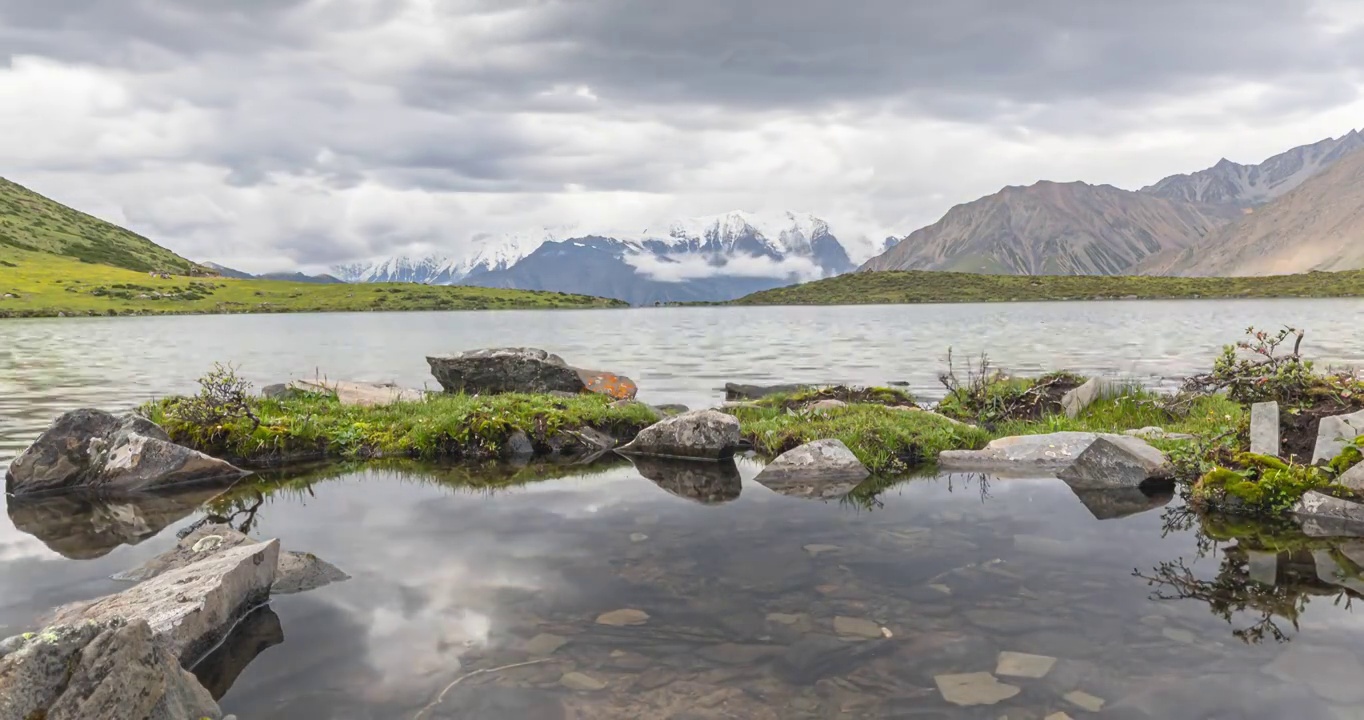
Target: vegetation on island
37	284
896	287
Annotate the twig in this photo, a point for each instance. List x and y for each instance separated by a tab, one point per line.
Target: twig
441	697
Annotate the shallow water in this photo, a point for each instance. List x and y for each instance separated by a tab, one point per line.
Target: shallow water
1152	612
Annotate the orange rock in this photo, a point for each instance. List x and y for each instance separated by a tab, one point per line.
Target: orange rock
609	384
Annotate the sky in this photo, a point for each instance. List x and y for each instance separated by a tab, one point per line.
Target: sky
299	134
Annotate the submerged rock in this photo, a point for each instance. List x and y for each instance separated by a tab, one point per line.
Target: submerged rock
700	434
736	391
94	450
1319	505
190	609
979	688
708	483
85	525
819	461
523	370
107	669
1113	464
1026	453
1334	433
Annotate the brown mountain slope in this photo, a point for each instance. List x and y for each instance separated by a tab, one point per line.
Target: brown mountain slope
1318	226
1053	229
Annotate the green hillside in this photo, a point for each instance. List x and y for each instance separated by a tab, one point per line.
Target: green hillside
29	221
889	288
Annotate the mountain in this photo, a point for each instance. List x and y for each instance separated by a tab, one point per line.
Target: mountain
227	272
29	221
1229	183
1052	229
718	257
1317	226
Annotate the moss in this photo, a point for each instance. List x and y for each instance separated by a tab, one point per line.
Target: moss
1348	458
1265	486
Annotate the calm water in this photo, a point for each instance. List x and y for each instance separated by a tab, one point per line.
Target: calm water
759	605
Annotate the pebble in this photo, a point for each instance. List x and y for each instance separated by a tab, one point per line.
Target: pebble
545	644
579	681
1013	664
1085	700
622	618
974	689
856	627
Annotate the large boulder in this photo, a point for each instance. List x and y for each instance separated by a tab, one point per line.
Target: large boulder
1334	433
94	450
707	483
522	370
107	669
818	461
296	572
1026	454
1113	464
190	609
700	434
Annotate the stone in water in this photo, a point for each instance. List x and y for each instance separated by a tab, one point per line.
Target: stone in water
1012	664
974	689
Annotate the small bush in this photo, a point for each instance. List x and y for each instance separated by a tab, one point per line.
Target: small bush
223	397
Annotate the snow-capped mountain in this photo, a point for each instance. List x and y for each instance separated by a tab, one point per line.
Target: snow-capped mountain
706	258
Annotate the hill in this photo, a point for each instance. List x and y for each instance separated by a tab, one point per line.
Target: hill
890	288
29	221
1052	229
1317	226
36	284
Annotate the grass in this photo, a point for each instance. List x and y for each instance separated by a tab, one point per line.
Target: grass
889	288
45	285
29	221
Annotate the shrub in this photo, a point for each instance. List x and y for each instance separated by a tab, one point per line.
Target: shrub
223	397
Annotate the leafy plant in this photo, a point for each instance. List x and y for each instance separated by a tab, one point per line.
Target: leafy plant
1267	374
223	396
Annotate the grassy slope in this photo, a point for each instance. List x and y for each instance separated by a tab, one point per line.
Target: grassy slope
48	284
872	288
29	221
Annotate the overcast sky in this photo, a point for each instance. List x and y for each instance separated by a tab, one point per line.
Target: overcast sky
274	134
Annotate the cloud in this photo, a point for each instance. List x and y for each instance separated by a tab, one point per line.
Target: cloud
298	133
691	267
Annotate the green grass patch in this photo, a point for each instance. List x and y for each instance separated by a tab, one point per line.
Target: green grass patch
1136	408
889	288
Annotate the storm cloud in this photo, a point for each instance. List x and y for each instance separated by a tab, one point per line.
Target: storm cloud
275	134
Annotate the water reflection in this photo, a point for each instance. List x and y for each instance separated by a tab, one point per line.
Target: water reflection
83	527
707	483
256	633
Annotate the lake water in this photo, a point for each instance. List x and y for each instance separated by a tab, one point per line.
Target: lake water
759	605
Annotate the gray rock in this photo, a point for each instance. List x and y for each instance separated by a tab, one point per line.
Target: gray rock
1156	433
821	460
708	483
1112	464
1264	428
1353	478
296	572
1026	453
86	525
277	391
825	405
91	449
504	370
518	446
109	669
361	394
735	391
1319	505
700	434
1334	433
190	609
1077	400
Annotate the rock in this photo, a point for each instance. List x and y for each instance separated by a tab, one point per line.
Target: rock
856	627
277	391
109	669
1111	504
256	633
700	434
595	441
708	483
361	394
823	405
94	450
1112	464
1264	429
1026	453
579	681
974	689
1080	398
623	618
545	644
819	461
1332	673
1334	433
1084	700
608	384
296	572
1353	478
1156	433
1319	505
85	525
191	609
1012	664
518	446
735	391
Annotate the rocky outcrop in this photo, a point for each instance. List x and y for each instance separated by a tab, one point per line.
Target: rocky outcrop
1320	505
1334	433
819	461
192	608
83	525
736	391
523	370
1112	464
94	450
296	572
700	434
1048	453
707	483
107	669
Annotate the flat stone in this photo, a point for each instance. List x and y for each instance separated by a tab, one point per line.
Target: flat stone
1264	428
974	689
820	461
1026	454
1332	673
700	434
1334	433
579	681
623	618
1353	478
1079	399
191	609
545	644
1086	701
856	627
1013	664
1111	464
1320	505
638	537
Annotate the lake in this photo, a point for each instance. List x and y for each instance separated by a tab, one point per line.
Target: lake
608	592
